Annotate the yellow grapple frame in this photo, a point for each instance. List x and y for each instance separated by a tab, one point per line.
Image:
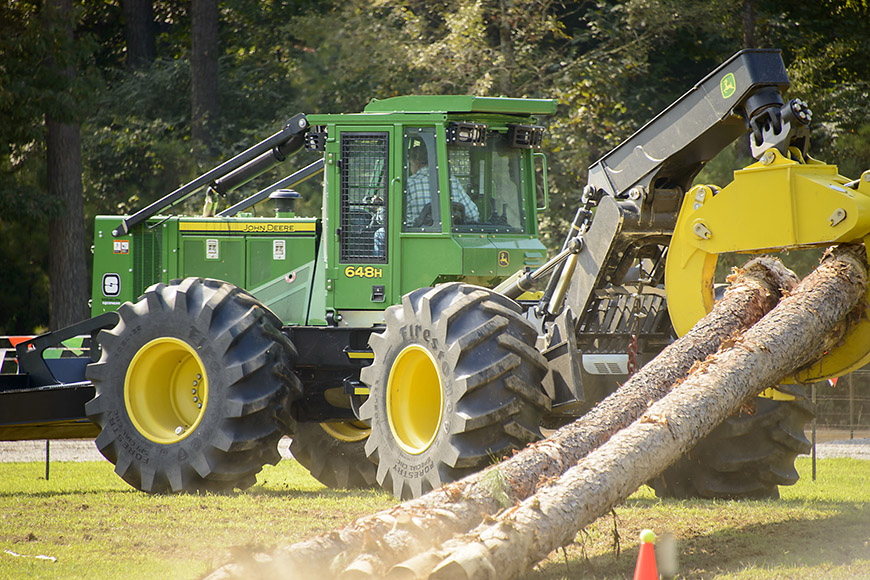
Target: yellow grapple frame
778	203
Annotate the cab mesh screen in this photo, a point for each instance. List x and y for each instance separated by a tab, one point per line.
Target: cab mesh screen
363	203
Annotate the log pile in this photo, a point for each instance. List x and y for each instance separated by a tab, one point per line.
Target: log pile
554	488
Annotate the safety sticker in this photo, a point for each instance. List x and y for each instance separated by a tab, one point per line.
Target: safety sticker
279	250
121	247
212	250
111	284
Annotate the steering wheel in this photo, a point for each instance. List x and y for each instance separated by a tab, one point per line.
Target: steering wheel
425	217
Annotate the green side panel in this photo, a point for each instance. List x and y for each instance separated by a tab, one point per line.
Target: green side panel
513	255
260	253
147	257
113	277
477	258
272	257
478	255
171	254
280	274
220	257
499	256
355	286
317	308
287	295
462	104
424	259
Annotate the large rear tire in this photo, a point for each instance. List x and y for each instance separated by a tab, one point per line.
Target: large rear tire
334	454
192	388
455	385
747	457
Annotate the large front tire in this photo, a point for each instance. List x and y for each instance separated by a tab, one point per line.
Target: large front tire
192	388
455	385
746	457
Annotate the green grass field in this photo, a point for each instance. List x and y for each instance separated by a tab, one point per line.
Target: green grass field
95	526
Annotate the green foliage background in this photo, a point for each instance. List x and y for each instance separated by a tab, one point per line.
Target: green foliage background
612	66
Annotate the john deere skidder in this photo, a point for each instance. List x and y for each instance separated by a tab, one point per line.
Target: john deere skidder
397	338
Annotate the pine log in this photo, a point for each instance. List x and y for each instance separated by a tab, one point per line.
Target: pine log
368	547
793	334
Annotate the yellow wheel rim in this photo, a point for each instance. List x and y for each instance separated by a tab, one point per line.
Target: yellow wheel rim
350	432
414	399
166	390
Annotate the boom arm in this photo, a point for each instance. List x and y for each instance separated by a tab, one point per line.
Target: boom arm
671	149
232	173
647	175
646	179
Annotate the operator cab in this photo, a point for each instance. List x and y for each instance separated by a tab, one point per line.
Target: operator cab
484	185
428	189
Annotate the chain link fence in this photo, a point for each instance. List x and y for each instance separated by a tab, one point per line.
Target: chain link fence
843	408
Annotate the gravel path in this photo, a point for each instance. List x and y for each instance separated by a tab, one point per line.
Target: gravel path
73	450
857	448
85	450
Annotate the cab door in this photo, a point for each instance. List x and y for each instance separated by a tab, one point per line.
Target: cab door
361	175
427	252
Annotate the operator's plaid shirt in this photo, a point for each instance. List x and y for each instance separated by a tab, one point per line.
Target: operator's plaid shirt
418	195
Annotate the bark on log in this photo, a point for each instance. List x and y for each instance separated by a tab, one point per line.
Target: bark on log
794	333
368	547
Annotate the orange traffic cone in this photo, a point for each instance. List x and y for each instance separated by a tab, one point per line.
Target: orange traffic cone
646	559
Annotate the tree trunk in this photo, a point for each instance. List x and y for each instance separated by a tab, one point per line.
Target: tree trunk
749	23
139	32
371	545
506	48
67	265
204	72
793	334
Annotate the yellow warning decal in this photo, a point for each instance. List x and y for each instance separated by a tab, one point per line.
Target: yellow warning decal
248	227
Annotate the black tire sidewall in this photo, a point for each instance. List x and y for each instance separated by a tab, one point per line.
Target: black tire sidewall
330	460
247	363
143	330
490	376
761	446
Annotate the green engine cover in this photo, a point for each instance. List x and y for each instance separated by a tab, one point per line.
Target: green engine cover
273	258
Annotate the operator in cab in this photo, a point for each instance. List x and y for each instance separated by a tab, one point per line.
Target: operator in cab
418	195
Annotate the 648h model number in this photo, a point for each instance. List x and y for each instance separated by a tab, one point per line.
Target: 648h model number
363	272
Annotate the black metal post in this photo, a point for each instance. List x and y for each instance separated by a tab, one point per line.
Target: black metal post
813	390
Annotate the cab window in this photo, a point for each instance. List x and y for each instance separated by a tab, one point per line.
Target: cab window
421	201
486	186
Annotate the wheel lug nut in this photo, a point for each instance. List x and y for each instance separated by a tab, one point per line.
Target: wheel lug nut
179	430
195	383
199	406
192	391
196	399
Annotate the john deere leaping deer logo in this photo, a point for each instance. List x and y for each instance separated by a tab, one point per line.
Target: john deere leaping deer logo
728	85
504	258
